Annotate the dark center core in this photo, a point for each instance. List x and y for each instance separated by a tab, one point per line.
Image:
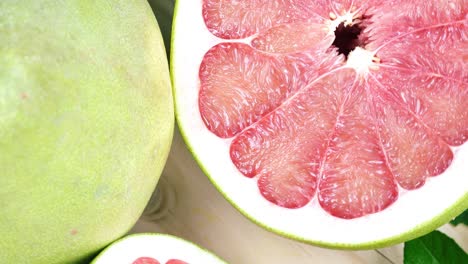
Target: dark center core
347	38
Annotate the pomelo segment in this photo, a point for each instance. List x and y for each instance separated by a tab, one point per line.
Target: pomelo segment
355	179
153	248
248	75
433	89
412	151
176	261
145	260
241	19
304	35
281	120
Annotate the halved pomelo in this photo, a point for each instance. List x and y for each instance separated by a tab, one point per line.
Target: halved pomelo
338	123
153	248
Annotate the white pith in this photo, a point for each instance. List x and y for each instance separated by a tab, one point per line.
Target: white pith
362	61
347	18
191	41
158	246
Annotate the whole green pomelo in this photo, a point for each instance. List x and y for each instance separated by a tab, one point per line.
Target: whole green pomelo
86	122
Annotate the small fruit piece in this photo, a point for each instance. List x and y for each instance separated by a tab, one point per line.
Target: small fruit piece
150	248
145	260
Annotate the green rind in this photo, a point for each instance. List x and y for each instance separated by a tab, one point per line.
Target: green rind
204	250
86	122
422	229
163	9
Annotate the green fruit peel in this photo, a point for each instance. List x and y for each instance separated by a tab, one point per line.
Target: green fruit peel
86	122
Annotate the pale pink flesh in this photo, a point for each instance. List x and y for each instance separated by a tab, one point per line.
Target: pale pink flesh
176	261
240	19
303	35
149	260
252	78
347	140
145	260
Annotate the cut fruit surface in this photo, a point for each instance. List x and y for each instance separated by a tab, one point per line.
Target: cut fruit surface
310	115
152	248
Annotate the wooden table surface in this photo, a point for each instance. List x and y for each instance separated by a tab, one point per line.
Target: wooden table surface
189	206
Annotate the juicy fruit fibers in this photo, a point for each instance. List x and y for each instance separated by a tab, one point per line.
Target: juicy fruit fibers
86	121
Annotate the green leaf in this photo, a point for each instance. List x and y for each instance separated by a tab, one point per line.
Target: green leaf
461	219
434	248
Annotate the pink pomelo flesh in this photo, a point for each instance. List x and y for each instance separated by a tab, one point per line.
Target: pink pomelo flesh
176	261
145	260
149	260
307	126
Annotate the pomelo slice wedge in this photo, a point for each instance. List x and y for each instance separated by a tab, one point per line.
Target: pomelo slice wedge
154	248
338	123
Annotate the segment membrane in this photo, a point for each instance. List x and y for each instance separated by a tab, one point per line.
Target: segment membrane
355	178
285	149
